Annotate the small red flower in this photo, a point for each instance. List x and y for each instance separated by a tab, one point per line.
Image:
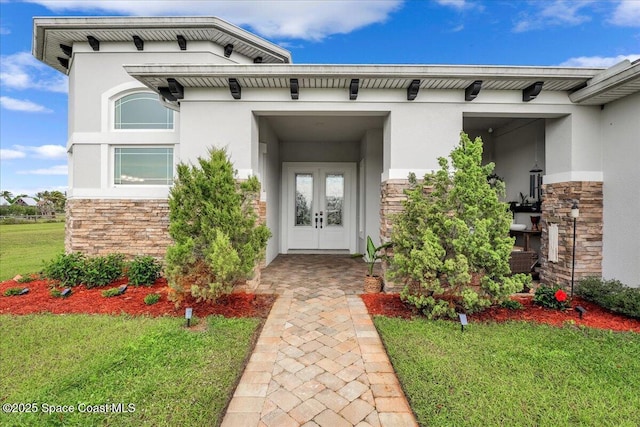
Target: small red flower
561	296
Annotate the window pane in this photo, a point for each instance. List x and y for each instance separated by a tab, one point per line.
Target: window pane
304	198
143	166
142	111
334	198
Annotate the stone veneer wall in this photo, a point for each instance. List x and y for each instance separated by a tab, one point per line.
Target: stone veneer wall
556	207
104	226
391	198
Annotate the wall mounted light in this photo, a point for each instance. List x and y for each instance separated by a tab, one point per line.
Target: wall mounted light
531	92
137	40
228	49
293	83
413	89
353	89
235	88
257	60
182	42
94	43
67	50
472	91
63	61
176	89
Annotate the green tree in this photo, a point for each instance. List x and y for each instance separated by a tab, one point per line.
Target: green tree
214	227
451	241
7	195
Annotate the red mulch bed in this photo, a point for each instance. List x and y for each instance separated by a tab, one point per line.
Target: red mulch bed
595	317
91	301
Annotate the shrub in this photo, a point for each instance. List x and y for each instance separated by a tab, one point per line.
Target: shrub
512	304
13	292
151	299
112	292
214	227
102	270
451	243
611	294
551	297
143	270
67	268
26	279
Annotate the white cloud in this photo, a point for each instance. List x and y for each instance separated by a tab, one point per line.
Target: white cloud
22	71
627	14
458	4
4	31
6	154
597	61
47	151
552	14
53	170
22	105
308	20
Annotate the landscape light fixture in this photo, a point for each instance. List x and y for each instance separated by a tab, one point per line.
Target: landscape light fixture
137	40
472	91
295	88
353	89
581	310
182	42
463	321
575	213
188	313
235	88
24	291
531	92
413	89
65	292
228	49
94	43
122	289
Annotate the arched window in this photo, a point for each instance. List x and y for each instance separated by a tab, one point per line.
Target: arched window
142	110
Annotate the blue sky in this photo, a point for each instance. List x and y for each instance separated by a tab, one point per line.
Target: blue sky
33	98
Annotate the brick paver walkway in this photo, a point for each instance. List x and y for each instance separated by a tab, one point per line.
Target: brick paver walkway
319	360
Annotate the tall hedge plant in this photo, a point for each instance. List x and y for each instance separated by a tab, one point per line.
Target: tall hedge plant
451	241
217	238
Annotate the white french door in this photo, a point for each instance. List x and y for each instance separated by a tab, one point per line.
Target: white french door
319	206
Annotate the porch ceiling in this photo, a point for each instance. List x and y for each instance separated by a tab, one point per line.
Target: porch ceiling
323	128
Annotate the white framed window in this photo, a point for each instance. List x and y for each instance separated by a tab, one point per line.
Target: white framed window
141	110
143	165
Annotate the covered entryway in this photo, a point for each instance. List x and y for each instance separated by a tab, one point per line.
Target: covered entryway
321	174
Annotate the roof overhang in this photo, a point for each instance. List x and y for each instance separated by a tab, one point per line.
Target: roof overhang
49	33
614	83
370	76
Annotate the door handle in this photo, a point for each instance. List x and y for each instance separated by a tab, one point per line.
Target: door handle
320	219
317	221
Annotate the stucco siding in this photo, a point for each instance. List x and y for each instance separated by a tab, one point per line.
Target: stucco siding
620	125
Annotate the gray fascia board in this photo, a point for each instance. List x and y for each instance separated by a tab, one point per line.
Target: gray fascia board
42	24
607	84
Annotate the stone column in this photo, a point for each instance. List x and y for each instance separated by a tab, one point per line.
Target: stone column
556	207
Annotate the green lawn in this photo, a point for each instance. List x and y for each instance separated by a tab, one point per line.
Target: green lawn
172	376
515	374
23	247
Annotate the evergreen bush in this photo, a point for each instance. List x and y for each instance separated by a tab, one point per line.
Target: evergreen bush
214	227
102	270
451	243
143	270
611	294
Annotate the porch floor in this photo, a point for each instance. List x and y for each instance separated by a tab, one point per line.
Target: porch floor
319	360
